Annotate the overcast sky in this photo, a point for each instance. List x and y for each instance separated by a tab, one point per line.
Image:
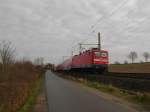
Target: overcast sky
53	28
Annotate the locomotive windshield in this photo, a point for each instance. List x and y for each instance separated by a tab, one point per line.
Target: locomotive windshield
101	54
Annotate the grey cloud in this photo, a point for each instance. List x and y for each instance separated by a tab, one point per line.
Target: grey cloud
53	28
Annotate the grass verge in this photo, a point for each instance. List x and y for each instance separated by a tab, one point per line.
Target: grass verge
142	100
33	95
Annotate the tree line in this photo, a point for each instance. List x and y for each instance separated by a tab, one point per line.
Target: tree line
133	55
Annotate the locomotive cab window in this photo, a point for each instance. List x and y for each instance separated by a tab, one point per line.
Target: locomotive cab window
101	54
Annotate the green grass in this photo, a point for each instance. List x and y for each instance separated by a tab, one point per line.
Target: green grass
32	97
141	99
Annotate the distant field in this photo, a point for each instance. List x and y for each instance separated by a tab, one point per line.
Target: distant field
130	68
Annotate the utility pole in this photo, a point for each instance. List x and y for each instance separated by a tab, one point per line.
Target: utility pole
99	41
64	57
72	53
71	58
80	47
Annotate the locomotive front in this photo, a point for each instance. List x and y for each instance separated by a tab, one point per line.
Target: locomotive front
100	60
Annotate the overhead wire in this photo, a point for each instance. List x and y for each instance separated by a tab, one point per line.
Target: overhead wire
107	16
121	5
111	14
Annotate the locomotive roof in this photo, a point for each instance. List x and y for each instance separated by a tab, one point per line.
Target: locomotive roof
93	49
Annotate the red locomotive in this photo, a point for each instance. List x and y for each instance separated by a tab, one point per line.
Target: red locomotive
89	60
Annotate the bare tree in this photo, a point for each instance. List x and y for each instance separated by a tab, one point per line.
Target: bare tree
125	62
117	62
141	61
7	55
146	56
133	55
39	61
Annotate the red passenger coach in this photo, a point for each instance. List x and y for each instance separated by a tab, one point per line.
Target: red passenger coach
89	60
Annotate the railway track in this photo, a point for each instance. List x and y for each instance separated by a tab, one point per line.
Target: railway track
142	76
128	81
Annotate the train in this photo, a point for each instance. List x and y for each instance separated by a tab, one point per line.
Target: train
93	59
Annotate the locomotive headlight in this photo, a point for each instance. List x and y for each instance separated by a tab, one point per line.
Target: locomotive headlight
103	60
97	60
